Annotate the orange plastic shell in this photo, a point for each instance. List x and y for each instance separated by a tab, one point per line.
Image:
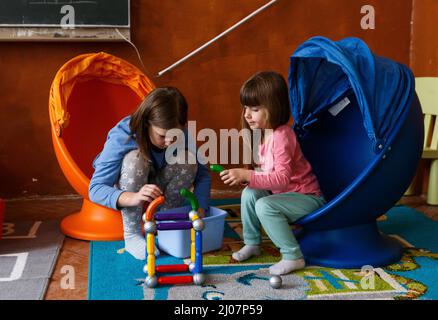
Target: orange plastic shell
88	96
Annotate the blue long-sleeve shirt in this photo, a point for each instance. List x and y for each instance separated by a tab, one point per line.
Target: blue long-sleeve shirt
108	164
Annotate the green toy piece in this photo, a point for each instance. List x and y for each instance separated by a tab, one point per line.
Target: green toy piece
191	197
216	168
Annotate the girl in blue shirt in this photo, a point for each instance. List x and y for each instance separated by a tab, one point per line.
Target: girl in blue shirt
132	168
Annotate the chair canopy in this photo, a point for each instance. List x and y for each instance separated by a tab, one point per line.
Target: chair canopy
322	71
89	95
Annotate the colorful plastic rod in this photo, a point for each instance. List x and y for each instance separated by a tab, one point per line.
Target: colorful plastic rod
172	268
152	207
198	255
191	197
216	168
171	216
183	225
175	279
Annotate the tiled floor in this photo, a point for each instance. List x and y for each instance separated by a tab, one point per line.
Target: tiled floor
75	252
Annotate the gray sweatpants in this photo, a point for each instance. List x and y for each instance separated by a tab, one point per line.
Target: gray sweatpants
137	171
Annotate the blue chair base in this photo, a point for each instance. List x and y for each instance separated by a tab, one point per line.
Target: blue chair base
349	248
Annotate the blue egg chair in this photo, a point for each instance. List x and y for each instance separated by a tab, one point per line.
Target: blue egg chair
360	125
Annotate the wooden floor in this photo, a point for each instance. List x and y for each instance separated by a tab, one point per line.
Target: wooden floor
75	252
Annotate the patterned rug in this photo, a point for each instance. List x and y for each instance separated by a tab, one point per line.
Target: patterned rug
414	277
28	253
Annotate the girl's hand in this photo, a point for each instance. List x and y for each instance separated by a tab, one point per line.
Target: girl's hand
234	177
148	193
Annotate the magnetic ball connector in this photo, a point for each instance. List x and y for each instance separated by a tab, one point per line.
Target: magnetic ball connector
143	217
191	267
151	282
199	278
198	225
275	282
192	214
150	227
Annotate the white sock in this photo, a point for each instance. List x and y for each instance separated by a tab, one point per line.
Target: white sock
135	244
246	252
157	251
286	266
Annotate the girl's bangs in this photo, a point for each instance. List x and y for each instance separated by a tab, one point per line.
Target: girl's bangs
249	96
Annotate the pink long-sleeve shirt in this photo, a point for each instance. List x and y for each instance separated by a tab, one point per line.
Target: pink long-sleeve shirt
283	166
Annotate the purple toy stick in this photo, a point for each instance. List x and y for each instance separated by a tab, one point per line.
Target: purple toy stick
174	226
171	216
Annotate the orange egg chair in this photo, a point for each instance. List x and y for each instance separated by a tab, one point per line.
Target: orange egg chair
88	96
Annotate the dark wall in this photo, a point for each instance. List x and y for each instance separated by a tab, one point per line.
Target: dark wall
165	31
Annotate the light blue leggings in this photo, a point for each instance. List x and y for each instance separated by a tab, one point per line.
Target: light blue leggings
274	213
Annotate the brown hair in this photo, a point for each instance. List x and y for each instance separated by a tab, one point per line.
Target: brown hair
165	108
269	90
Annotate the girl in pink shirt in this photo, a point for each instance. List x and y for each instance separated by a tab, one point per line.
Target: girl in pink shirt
282	187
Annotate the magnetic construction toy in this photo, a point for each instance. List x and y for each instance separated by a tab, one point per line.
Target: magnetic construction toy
216	168
155	221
